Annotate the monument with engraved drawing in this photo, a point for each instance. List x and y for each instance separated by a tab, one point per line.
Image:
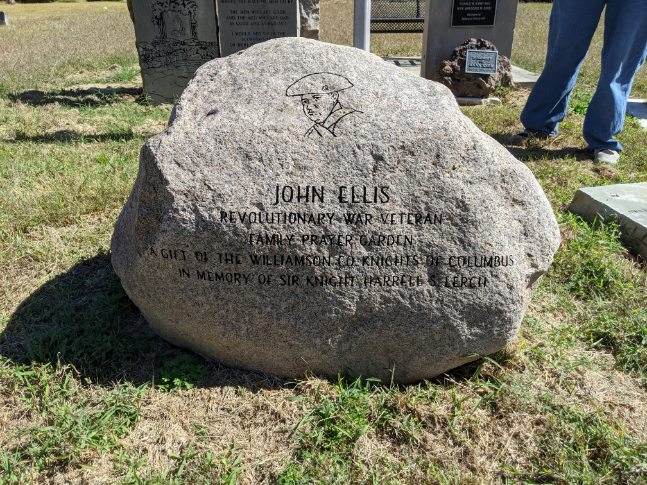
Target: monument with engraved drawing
330	214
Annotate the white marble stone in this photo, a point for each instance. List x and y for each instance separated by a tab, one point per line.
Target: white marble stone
523	78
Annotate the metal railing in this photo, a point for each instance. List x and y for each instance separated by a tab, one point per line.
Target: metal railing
397	16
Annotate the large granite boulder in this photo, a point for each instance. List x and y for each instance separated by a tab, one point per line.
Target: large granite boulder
311	208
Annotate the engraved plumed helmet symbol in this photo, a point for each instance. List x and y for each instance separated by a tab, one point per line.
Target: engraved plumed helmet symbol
319	83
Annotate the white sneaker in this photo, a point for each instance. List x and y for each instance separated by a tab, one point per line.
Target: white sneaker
606	156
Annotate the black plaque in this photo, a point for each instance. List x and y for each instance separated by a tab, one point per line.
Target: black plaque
468	13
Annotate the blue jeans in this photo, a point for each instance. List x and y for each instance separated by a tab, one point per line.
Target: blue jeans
572	25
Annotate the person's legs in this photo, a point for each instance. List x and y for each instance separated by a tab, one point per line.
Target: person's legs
625	49
572	25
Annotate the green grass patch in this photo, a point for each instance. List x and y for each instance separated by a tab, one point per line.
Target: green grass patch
589	264
182	372
327	435
70	424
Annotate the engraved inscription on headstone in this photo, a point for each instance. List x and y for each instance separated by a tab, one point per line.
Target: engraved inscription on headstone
174	38
243	23
467	13
481	62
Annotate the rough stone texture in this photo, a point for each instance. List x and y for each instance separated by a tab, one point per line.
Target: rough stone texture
233	137
453	75
626	203
309	12
174	38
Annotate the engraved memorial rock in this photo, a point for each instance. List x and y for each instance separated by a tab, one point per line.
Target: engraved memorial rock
174	38
330	214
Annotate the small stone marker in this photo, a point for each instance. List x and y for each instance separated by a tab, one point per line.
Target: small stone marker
450	23
174	38
475	69
330	214
4	20
625	202
243	23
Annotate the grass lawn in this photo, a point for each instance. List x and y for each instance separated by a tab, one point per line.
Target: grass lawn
89	394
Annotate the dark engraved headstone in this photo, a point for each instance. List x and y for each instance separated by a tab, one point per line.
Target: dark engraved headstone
314	209
174	38
243	23
481	61
4	20
467	13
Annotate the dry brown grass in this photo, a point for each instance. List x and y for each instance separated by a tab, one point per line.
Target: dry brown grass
43	40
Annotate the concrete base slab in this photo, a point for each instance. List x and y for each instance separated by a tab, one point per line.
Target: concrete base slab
466	101
410	64
638	108
523	78
520	77
627	203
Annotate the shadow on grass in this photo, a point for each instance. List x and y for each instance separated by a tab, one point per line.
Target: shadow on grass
83	318
74	98
68	136
536	152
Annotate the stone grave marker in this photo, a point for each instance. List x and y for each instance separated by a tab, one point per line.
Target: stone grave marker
474	71
4	19
626	203
174	38
243	23
451	22
330	214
